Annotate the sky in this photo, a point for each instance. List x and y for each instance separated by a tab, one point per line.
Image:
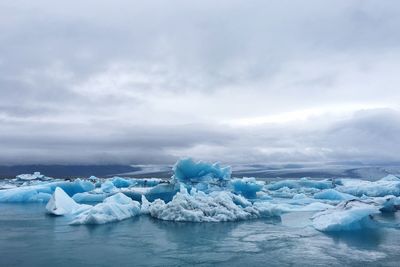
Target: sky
148	82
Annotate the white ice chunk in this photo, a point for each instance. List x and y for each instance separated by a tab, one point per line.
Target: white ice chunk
28	177
115	208
144	209
108	187
61	204
348	215
389	185
197	206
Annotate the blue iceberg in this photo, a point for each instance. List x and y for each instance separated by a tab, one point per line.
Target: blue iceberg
346	216
332	194
189	172
247	187
301	183
43	192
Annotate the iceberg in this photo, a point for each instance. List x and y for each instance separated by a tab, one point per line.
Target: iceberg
30	177
387	203
114	208
346	216
91	196
198	206
108	187
247	187
301	183
332	194
61	204
389	185
148	182
164	192
43	192
189	172
120	182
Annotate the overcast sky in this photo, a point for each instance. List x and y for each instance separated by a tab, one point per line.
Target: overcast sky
234	81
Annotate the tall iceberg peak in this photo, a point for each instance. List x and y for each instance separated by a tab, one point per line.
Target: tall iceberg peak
61	204
188	171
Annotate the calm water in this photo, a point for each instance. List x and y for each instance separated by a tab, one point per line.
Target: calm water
29	237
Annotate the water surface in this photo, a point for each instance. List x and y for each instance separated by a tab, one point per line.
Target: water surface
29	237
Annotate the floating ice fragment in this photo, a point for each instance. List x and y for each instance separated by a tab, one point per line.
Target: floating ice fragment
198	206
300	183
162	191
346	216
61	204
115	208
43	192
332	194
389	185
34	176
188	171
108	187
120	182
248	187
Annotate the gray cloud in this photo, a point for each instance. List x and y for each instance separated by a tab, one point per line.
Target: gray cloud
140	82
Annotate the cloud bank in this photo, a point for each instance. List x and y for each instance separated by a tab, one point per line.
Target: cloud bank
235	81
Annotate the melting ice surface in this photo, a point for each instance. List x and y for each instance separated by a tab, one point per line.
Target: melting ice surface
270	215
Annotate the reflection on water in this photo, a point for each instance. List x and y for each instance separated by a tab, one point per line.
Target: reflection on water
29	237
